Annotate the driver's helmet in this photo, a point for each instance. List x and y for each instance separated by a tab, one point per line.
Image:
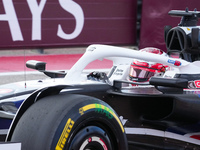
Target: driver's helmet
141	71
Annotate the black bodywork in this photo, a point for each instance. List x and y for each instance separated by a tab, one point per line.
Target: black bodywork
149	108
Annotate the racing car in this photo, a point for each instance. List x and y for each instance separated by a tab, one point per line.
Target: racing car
147	100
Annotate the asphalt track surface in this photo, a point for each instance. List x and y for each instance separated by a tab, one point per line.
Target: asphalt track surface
13	68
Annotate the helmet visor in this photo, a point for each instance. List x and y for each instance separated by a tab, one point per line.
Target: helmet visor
140	75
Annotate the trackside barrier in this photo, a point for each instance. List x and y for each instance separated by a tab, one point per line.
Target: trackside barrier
52	23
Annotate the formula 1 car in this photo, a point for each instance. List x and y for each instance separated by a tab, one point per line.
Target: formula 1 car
156	107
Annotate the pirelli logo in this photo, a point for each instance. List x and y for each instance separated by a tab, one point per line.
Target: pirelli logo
65	134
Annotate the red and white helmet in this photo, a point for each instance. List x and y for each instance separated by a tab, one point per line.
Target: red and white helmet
142	71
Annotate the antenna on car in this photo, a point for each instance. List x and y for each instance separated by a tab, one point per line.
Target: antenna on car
24	68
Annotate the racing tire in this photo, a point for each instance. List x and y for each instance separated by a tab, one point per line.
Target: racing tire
70	122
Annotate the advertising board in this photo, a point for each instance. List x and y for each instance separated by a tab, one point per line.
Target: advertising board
60	23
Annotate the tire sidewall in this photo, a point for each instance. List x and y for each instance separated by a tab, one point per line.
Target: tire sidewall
89	111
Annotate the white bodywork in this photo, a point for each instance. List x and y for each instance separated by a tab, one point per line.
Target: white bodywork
122	58
188	30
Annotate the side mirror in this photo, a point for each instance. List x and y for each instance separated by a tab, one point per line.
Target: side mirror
37	65
41	66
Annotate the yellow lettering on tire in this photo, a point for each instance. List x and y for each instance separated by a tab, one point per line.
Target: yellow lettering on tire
65	133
